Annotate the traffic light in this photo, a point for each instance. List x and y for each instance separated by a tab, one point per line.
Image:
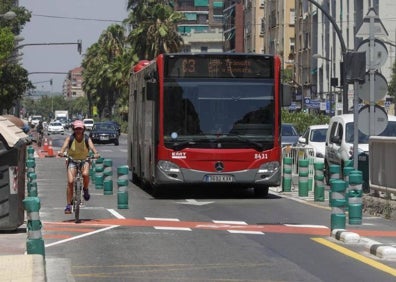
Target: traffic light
79	46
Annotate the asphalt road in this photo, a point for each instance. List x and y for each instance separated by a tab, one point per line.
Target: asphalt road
199	235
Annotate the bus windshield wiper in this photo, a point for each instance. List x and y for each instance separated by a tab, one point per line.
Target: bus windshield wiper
177	146
256	145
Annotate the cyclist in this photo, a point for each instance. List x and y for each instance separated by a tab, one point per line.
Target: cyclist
77	146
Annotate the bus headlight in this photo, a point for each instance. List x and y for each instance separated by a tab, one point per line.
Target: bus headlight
168	167
269	168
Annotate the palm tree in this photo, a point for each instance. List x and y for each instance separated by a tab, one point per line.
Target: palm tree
106	69
154	28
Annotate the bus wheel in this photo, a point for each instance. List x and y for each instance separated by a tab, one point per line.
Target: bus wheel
261	191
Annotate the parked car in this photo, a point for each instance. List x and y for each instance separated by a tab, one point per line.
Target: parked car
116	125
104	133
315	137
36	119
88	123
55	127
289	135
340	139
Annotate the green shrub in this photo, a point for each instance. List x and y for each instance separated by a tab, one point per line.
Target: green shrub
302	120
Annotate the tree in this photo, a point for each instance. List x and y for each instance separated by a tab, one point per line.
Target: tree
106	69
13	78
154	28
14	83
6	44
392	84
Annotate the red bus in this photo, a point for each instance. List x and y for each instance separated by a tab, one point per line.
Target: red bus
207	118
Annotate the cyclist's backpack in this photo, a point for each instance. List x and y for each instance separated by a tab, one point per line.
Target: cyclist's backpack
86	137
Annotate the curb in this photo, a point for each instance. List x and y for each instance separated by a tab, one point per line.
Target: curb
23	268
345	236
383	251
380	250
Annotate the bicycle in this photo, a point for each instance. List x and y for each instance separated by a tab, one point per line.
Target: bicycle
78	186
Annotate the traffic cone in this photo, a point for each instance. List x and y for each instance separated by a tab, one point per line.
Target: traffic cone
45	147
50	152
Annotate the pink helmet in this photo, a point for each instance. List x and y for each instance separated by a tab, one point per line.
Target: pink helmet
78	124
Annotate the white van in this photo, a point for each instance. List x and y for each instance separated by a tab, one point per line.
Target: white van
340	139
88	123
36	119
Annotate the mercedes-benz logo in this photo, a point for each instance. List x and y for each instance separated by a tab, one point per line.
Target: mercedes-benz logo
219	166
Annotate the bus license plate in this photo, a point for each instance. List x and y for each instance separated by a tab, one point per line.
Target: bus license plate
218	178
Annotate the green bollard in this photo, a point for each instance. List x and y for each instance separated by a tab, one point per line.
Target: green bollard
108	177
355	192
347	170
32	189
334	171
338	203
30	165
122	183
122	170
99	180
30	152
32	185
122	194
319	187
287	174
303	177
34	243
99	177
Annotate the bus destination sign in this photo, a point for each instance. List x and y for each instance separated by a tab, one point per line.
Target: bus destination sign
218	66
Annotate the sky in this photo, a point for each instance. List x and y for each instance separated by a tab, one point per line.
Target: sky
57	21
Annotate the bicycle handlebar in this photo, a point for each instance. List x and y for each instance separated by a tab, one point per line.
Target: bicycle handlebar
89	158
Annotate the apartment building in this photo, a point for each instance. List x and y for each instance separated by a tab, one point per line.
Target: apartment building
202	28
72	86
319	49
277	29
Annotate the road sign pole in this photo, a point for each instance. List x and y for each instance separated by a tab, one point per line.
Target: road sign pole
372	72
356	126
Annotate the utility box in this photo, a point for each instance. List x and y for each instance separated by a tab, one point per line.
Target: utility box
12	174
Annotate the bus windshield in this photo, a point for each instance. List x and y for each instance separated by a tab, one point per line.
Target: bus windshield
235	113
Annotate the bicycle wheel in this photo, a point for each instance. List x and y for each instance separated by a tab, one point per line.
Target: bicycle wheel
77	200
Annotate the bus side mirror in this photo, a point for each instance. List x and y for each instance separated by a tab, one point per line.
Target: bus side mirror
152	91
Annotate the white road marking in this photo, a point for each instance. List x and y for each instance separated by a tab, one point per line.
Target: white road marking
172	228
229	222
116	214
306	226
194	202
245	232
81	236
160	218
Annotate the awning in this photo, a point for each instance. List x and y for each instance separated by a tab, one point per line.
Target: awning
10	132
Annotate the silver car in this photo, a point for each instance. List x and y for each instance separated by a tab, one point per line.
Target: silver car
55	127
